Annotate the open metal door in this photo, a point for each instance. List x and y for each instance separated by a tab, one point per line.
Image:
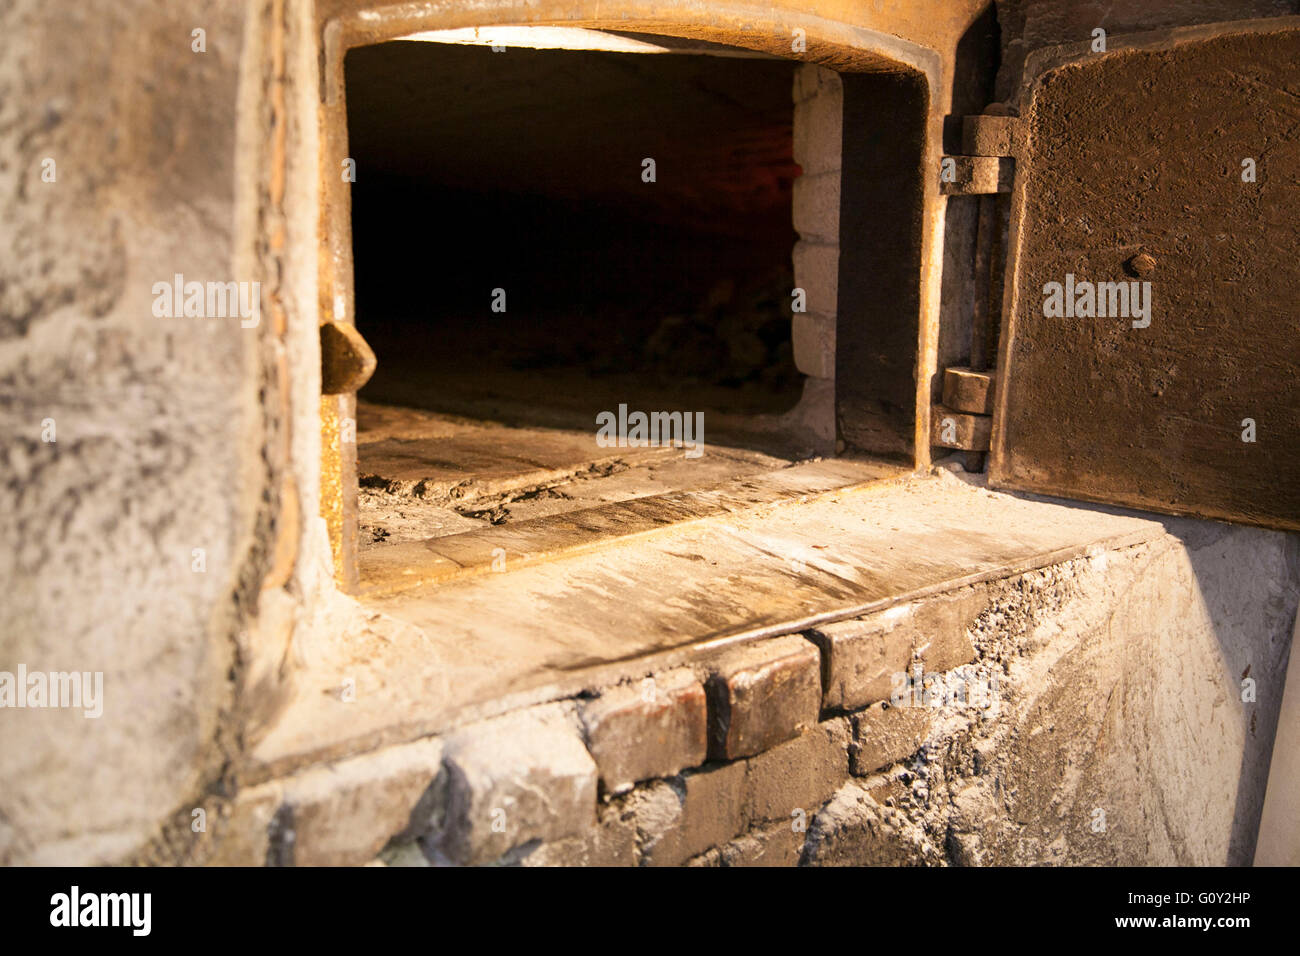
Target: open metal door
1150	354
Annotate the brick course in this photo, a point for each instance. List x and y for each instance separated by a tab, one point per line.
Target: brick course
651	729
762	694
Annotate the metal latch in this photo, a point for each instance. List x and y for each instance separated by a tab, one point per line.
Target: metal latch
346	359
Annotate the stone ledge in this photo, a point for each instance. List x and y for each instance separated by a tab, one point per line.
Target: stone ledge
401	654
779	757
920	781
521	788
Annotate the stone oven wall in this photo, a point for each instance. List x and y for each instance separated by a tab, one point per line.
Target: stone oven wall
151	485
161	490
127	535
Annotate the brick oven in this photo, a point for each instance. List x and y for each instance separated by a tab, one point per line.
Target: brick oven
658	433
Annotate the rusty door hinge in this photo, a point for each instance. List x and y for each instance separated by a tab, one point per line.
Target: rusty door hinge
965	419
990	144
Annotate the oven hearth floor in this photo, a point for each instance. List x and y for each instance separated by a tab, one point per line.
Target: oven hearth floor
443	496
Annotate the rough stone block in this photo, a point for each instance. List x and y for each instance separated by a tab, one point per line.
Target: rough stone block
799	775
854	830
778	845
612	842
977	175
863	659
651	729
813	337
883	735
816	206
991	135
237	831
817	272
762	694
343	814
511	780
819	129
682	818
811	80
940	625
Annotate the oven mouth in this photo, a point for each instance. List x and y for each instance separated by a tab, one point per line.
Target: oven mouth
602	288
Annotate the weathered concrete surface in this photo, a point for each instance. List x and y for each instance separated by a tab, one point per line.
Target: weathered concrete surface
1120	735
152	417
176	489
1279	825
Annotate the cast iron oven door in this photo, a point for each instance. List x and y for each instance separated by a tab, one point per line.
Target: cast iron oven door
1151	354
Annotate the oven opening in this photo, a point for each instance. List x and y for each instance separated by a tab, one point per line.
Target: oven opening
577	270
